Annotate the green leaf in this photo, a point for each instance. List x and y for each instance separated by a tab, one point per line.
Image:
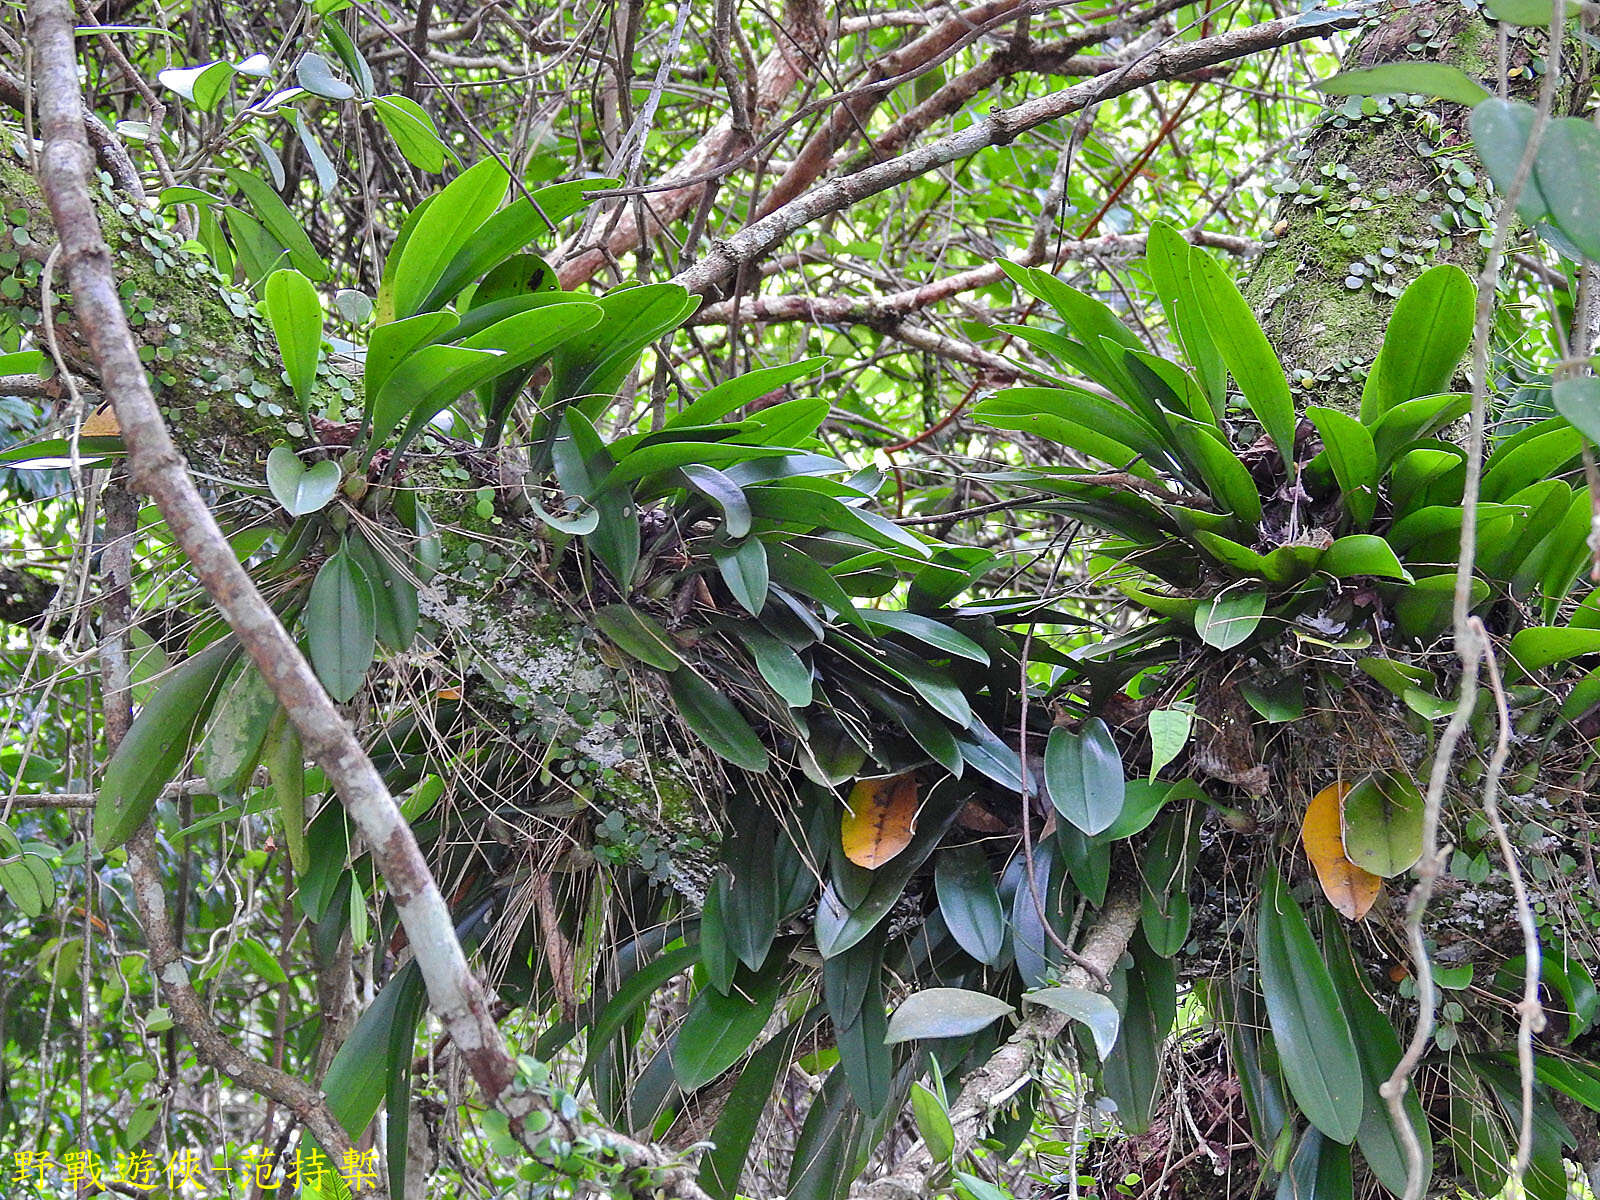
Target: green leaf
295	314
1087	1008
721	491
1578	400
631	996
1378	1048
1410	420
1500	133
1427	334
341	625
718	1029
1411	78
232	746
744	569
933	1123
360	1073
507	232
1362	554
721	400
1567	166
1228	481
300	489
716	722
1545	645
1348	444
1382	821
1084	776
1230	618
439	232
277	220
158	742
413	131
597	364
318	78
639	635
1247	352
1315	1047
931	633
945	1012
970	902
1169	734
784	670
722	1166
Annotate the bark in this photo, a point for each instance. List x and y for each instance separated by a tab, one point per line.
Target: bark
1376	198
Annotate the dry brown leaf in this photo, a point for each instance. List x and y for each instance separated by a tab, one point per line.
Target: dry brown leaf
102	423
1348	888
880	818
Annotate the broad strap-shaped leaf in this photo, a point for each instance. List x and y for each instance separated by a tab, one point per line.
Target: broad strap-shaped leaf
945	1012
717	723
158	742
1411	78
1427	334
1093	1010
1244	347
970	902
718	1029
1316	1050
295	314
341	625
1348	445
1083	773
437	233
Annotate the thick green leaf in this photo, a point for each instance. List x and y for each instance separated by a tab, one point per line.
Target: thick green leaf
929	632
1084	776
1381	819
639	635
722	1166
1091	1009
969	901
1315	1047
716	722
944	1012
1500	133
413	131
358	1077
933	1123
721	491
721	400
784	670
507	232
718	1029
341	625
743	567
632	995
158	742
232	746
1230	618
295	314
300	489
1412	78
1244	347
1567	166
1169	734
1578	400
1348	444
596	365
1378	1047
277	220
1545	645
443	229
1362	554
1428	332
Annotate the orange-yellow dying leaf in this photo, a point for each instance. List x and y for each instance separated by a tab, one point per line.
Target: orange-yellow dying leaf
102	423
879	819
1347	887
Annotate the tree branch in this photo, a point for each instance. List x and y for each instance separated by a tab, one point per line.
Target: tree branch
1000	128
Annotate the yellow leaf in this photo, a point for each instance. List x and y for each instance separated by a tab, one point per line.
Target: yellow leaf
102	423
1348	888
879	819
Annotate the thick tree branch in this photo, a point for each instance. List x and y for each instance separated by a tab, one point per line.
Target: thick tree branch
1001	127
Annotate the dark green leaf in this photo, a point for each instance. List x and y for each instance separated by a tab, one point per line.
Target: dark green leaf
945	1012
639	635
717	723
341	625
718	1029
1315	1047
1084	776
969	901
